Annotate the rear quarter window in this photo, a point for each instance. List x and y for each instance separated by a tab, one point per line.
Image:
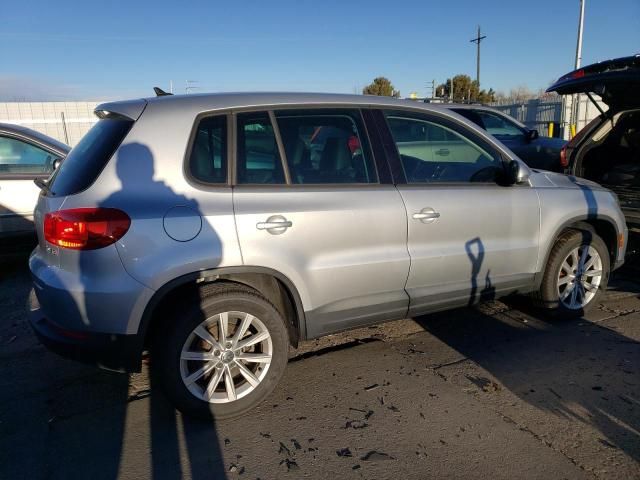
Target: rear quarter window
89	157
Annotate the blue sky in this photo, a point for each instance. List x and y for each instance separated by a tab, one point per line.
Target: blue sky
99	50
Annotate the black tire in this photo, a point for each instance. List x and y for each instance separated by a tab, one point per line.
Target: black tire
180	323
548	297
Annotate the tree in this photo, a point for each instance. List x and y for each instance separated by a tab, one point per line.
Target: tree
520	94
461	88
381	86
465	90
486	96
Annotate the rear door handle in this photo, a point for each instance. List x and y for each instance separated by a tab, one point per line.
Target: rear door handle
275	224
270	225
426	215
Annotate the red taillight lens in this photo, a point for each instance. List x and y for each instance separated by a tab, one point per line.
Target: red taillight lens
564	162
85	228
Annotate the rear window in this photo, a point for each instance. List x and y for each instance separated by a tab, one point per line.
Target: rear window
87	159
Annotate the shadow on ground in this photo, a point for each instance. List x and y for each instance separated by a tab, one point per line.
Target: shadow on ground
579	370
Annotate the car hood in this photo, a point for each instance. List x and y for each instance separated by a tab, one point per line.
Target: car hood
543	178
616	81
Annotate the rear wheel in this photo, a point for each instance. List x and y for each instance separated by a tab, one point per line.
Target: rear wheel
222	355
576	275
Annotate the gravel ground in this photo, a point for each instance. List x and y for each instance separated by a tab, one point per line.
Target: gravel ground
491	392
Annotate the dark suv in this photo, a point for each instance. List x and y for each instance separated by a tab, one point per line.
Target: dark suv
607	150
539	152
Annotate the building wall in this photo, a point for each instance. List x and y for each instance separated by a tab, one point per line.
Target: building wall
47	117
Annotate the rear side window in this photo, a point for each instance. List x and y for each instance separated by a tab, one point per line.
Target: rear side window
258	156
87	159
208	159
326	147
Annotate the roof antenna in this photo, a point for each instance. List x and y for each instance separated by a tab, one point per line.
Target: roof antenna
160	93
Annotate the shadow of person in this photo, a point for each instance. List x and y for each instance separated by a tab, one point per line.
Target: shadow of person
147	199
574	370
475	252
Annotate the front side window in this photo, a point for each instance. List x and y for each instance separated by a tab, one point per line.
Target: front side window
258	156
499	126
326	147
434	153
208	160
22	158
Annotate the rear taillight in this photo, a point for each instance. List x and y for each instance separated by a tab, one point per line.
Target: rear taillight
85	228
564	162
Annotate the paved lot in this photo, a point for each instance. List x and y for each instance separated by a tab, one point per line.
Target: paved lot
492	392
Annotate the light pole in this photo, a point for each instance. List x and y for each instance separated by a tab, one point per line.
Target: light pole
580	29
575	99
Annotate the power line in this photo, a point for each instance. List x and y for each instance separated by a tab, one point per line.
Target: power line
477	41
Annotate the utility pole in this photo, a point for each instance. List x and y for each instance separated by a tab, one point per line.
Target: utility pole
432	86
190	85
451	91
477	41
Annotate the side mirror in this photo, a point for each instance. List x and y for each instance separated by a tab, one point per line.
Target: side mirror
532	135
516	173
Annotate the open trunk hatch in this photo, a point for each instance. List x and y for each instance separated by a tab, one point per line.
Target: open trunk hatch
616	81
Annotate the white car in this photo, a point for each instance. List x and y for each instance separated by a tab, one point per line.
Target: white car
25	155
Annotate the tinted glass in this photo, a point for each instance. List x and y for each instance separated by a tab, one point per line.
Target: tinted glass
18	157
208	160
326	148
499	126
87	159
432	153
258	160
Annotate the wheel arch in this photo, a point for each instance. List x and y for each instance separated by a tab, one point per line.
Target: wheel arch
272	284
603	226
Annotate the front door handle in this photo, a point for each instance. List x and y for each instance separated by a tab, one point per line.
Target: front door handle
275	224
426	215
443	152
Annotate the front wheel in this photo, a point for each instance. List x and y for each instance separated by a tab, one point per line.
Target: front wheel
576	275
223	354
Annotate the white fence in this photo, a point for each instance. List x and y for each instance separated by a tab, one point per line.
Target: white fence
540	112
64	121
69	121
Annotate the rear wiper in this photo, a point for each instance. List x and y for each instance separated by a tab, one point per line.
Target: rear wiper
42	185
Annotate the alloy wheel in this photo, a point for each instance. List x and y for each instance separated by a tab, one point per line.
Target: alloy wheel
226	357
579	277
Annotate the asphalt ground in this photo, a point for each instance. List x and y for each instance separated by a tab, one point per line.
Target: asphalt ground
496	391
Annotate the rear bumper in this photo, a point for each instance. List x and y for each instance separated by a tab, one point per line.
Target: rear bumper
109	351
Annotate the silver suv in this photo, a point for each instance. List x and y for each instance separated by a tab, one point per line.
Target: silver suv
215	231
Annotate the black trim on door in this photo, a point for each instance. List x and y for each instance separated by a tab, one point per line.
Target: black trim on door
377	147
389	146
